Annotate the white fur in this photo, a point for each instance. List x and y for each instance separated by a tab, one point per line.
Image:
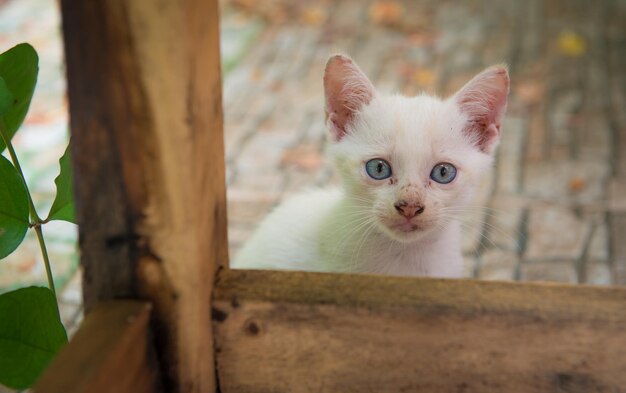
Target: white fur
349	229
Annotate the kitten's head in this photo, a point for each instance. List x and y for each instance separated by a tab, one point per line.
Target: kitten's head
412	162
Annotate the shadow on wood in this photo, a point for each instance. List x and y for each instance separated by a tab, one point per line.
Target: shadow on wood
111	352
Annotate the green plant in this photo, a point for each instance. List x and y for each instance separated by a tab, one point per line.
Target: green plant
31	331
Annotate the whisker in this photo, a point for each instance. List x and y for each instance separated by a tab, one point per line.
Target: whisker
361	243
492	227
365	222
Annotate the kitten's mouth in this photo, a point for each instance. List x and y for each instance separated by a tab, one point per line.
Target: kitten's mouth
406	227
405	230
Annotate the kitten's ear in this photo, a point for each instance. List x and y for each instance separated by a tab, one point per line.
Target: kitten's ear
347	89
484	100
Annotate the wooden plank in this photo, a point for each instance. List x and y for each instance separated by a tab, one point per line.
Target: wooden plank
311	332
146	118
111	352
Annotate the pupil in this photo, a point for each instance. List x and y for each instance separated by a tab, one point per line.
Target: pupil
443	171
379	167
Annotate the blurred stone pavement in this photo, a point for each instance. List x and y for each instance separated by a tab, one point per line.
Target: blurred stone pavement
556	199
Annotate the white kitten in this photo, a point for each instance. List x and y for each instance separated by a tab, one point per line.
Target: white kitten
408	165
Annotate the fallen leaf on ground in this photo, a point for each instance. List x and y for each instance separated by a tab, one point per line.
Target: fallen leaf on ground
422	38
307	158
423	77
386	12
27	265
572	44
531	92
314	16
256	75
276	86
577	184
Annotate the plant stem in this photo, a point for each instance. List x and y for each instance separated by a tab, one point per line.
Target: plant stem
35	220
46	260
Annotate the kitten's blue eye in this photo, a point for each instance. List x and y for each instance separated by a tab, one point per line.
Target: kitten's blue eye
378	169
443	173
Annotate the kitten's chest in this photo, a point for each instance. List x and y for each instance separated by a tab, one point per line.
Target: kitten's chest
397	259
380	255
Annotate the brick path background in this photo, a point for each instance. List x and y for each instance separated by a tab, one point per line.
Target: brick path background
557	198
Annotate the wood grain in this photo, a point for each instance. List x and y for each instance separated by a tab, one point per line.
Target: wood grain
307	332
111	352
146	119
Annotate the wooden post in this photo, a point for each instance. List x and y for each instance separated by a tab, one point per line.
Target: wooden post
146	119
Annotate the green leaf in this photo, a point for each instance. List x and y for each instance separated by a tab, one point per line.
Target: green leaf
31	333
6	98
13	209
18	67
63	205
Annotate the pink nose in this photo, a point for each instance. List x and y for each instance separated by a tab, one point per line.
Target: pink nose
408	210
